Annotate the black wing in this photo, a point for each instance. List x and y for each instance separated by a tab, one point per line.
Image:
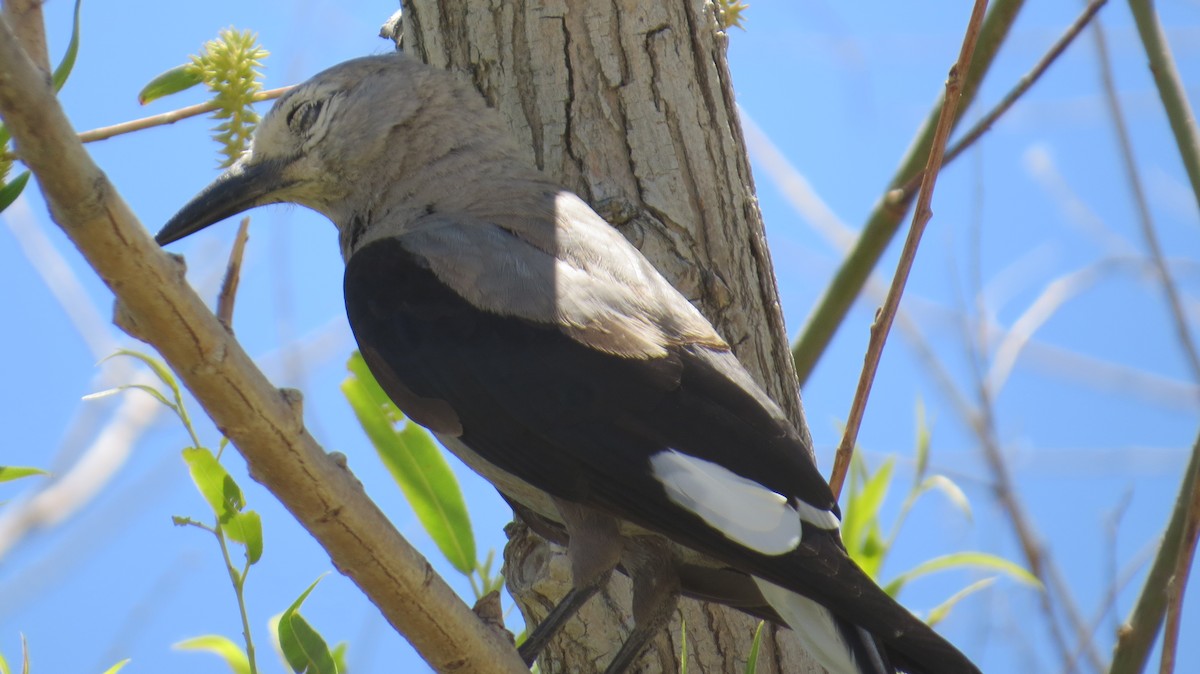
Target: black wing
582	425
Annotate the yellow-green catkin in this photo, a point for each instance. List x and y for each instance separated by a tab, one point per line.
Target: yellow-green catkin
730	13
230	67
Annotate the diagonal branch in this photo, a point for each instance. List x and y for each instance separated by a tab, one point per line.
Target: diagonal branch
161	119
156	304
921	217
1140	631
1149	233
1170	89
885	218
972	135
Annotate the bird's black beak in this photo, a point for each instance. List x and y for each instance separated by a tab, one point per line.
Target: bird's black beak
242	187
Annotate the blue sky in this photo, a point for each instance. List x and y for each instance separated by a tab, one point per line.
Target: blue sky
1096	418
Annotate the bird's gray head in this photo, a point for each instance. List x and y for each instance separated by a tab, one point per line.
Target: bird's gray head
356	142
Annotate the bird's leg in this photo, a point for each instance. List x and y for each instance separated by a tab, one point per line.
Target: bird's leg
650	565
545	630
594	549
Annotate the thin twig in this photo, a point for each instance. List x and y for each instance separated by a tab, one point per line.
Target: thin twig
883	323
1117	581
885	218
80	483
983	422
233	274
1038	562
1170	89
106	132
165	118
975	338
62	282
1178	583
91	454
1109	602
1074	616
1088	370
1175	305
1023	85
987	387
1140	631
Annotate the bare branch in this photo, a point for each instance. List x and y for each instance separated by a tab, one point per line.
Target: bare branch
1178	583
106	132
1023	85
163	119
883	322
1170	89
1175	306
68	492
233	274
884	220
263	422
60	280
1139	632
1091	371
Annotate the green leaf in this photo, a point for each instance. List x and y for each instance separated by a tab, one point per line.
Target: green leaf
359	370
117	667
963	560
922	444
220	646
4	665
752	661
215	484
63	71
417	465
939	612
155	393
10	473
682	646
10	192
302	646
339	656
873	550
156	366
862	510
173	81
489	582
246	528
164	375
949	489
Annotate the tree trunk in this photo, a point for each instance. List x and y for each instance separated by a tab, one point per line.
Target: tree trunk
630	105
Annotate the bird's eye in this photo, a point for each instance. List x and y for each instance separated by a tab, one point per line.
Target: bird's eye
302	117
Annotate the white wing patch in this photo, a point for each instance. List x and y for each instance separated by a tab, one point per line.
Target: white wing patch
741	509
821	519
815	626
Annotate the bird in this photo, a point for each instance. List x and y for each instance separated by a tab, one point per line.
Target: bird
503	314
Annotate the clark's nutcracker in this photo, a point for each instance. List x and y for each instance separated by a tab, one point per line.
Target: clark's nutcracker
503	314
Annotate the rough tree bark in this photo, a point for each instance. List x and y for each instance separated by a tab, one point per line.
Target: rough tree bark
630	105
